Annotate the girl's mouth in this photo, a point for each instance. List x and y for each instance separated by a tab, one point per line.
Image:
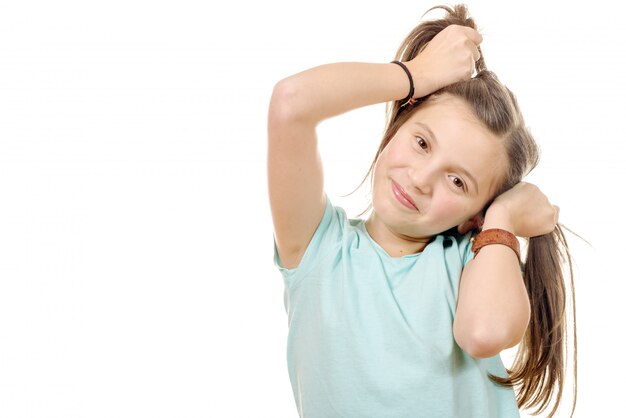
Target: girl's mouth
402	196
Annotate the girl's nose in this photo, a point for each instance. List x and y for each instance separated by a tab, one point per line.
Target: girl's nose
422	179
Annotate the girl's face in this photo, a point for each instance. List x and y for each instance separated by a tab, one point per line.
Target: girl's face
439	170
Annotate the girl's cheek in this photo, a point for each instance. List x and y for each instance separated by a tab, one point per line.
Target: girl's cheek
396	151
450	208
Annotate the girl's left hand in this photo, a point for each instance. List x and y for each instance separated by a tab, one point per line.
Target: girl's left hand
523	210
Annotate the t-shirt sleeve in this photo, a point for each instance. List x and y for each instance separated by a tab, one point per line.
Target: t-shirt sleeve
325	240
465	247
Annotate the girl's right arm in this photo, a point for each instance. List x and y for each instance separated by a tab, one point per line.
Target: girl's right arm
295	176
300	102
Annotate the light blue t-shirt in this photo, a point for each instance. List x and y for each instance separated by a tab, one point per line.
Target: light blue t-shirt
370	336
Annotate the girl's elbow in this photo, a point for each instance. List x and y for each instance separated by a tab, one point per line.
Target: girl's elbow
479	345
482	350
288	104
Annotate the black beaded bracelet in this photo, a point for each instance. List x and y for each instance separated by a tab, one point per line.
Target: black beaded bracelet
408	99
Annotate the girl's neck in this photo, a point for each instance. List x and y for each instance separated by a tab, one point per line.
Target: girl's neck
393	244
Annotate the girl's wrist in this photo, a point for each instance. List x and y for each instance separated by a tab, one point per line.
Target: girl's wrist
498	216
422	85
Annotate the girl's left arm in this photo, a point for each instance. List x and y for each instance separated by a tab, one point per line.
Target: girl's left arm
493	308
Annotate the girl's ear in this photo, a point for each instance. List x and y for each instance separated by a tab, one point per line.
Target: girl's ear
474	222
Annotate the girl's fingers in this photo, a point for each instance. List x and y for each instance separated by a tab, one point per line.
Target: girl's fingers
476	56
556	214
473	34
476	53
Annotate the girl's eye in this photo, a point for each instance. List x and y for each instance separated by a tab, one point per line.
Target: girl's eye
457	182
422	143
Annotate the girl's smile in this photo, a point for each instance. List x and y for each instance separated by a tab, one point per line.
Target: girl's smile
402	196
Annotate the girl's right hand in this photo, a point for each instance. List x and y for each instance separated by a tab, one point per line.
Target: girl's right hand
448	58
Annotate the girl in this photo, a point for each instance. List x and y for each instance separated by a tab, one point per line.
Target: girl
404	314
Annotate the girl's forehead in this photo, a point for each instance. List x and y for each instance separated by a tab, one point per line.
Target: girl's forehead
445	105
450	117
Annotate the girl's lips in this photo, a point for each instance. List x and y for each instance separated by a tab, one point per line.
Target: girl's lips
402	196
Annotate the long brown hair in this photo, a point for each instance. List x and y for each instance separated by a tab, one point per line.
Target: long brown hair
538	370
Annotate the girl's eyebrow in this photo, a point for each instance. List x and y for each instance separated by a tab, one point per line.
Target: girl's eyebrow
427	129
461	169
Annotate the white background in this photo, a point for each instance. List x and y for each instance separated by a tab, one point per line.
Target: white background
136	274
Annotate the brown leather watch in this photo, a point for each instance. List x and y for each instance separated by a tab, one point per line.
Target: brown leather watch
495	236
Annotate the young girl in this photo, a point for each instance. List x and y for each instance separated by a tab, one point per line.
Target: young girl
404	314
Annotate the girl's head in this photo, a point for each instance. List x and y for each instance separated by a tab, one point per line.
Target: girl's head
453	151
446	163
